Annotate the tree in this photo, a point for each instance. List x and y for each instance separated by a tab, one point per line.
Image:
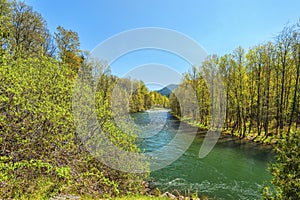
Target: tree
5	23
283	45
224	66
29	34
296	58
238	84
69	48
269	58
285	171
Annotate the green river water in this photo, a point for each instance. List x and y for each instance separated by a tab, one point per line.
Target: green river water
234	169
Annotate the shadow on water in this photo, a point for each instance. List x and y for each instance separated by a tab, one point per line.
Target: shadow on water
234	169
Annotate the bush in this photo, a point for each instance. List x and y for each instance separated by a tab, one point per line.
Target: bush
40	155
286	170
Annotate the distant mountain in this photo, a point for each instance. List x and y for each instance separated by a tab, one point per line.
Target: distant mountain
166	91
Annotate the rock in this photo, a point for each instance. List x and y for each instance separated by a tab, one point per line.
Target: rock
169	195
65	197
145	184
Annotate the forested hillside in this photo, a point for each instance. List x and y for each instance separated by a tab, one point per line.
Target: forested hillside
40	153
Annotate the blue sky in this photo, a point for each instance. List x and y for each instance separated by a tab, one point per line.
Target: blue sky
217	25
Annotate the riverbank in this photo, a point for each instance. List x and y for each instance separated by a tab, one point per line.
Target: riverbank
164	196
249	137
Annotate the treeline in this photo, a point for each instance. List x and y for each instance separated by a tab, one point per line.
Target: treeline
139	97
40	153
261	87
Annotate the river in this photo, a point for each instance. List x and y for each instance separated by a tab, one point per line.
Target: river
234	169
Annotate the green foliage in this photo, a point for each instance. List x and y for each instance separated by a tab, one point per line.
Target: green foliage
130	96
141	99
63	172
29	178
68	48
35	103
140	197
261	89
286	169
35	123
29	35
38	139
158	100
5	23
40	154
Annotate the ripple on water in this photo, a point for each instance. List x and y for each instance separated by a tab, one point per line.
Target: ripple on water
215	190
232	170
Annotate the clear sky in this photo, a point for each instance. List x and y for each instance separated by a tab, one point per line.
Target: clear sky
217	25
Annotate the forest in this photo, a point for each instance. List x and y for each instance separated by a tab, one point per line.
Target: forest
40	153
261	88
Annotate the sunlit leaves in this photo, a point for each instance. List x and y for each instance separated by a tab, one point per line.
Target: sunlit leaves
286	170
